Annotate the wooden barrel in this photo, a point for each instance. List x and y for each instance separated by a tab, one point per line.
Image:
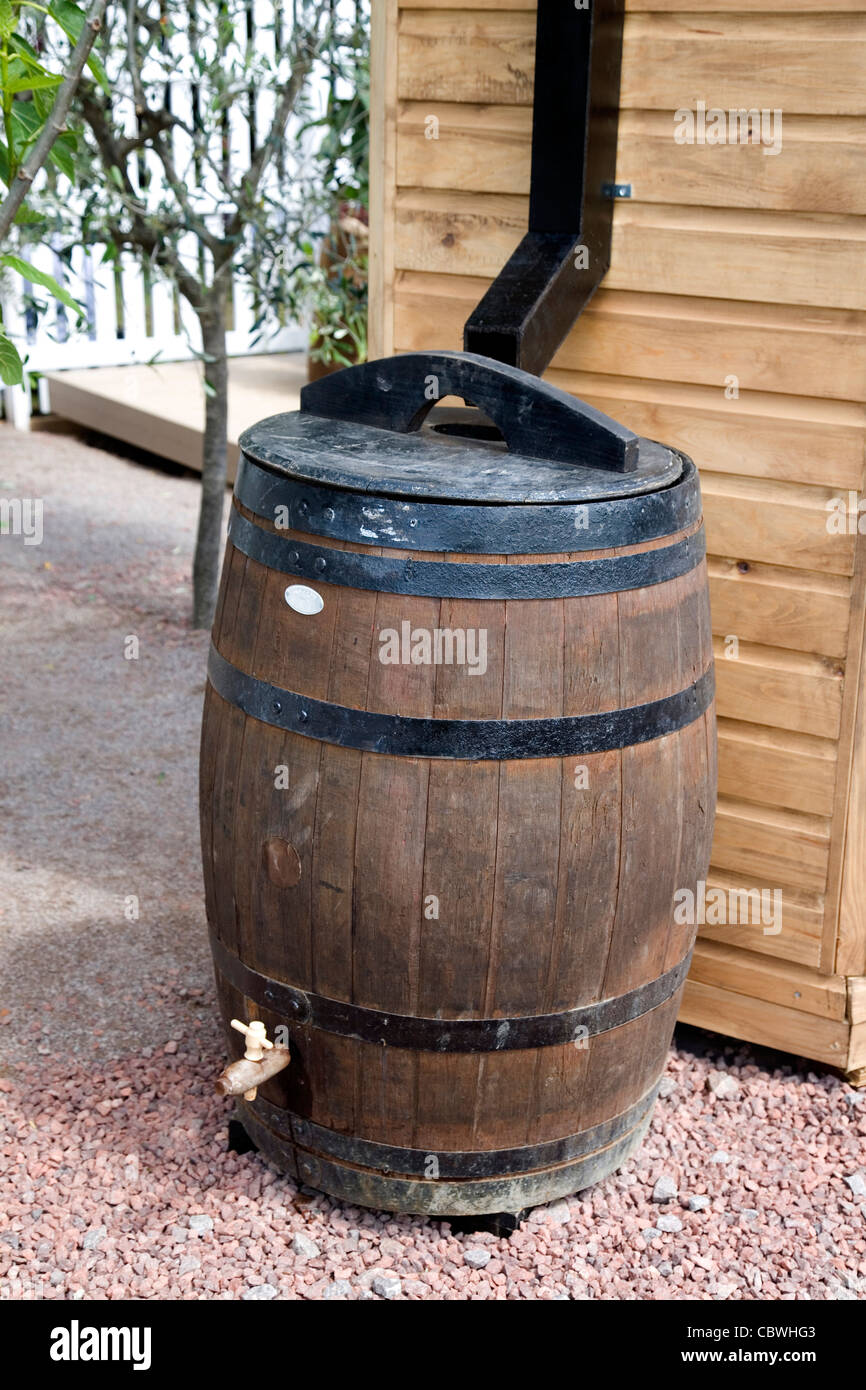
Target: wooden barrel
446	862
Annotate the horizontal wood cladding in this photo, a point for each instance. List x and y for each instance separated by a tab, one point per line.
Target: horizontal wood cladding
770	845
802	922
746	972
788	690
792	770
795	440
732	324
820	167
649	6
783	523
669	60
757	1020
785	258
779	607
770	348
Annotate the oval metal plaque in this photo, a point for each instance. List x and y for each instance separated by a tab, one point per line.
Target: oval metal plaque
304	599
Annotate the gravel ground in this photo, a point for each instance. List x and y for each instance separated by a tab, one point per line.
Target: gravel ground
115	1181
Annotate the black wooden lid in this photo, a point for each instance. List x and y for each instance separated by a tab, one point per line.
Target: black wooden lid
374	429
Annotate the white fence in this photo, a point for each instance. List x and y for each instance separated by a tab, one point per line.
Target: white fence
130	318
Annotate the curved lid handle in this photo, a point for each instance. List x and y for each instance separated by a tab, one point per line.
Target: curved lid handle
537	420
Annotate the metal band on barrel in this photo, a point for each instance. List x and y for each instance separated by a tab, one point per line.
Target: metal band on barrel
438	579
465	739
451	1165
451	1034
439	1197
472	528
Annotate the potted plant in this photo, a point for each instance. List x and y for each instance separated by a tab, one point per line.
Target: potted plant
331	281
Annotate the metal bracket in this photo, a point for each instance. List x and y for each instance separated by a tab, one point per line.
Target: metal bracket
531	306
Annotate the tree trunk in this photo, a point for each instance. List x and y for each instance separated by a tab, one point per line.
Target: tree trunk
209	541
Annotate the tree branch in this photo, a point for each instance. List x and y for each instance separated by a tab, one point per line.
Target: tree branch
56	122
287	96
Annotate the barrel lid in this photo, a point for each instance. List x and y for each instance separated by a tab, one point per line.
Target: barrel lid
375	429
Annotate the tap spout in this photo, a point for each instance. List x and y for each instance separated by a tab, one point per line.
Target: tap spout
244	1076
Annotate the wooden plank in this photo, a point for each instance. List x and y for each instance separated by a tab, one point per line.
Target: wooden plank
784	608
759	435
856	1062
769	348
780	7
383	100
646	6
802	922
781	523
467	56
846	948
779	982
804	258
669	60
749	59
795	771
769	1025
788	690
486	149
821	166
480	148
857	998
771	846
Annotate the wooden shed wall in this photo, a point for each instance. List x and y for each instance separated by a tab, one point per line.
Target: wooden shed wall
727	262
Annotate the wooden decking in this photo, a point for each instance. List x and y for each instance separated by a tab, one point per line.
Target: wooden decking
161	408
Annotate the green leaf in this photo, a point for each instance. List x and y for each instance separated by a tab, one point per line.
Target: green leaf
39	277
71	20
11	368
62	152
31	83
19	45
7	19
27	217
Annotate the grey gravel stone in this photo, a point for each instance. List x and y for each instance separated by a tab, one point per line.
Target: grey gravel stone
476	1257
94	1237
339	1289
56	1277
305	1248
667	1086
720	1156
669	1223
387	1286
723	1085
188	1264
10	1238
857	1184
665	1189
698	1203
200	1224
260	1293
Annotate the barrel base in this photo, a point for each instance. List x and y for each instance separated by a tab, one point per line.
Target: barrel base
498	1196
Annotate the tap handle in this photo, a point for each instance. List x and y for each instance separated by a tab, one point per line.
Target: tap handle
255	1032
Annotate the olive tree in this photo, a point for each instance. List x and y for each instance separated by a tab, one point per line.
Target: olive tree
193	173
